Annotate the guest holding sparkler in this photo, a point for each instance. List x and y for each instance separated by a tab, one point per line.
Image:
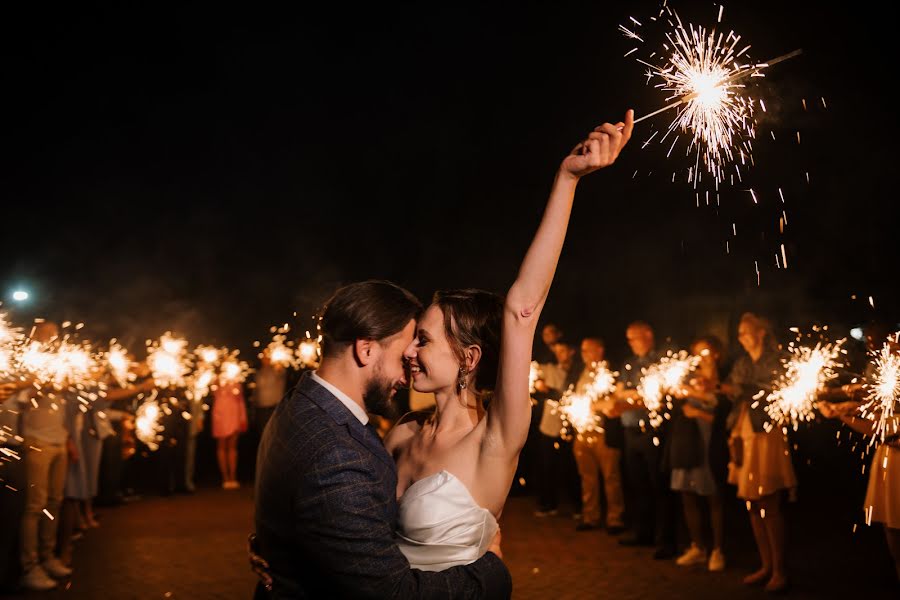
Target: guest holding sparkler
229	420
597	454
649	496
878	397
46	461
760	464
556	463
697	453
12	493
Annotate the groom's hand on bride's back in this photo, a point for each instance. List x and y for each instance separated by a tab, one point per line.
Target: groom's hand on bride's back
600	149
258	563
495	546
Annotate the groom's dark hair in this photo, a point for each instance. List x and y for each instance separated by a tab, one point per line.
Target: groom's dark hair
368	310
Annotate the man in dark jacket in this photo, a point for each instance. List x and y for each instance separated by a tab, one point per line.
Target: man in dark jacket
326	505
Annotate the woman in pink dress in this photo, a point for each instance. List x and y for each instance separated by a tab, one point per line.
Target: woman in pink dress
229	420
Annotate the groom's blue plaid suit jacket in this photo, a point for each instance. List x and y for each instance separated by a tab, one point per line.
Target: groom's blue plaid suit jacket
326	511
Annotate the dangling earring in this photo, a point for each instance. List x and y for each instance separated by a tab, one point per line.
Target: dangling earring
461	380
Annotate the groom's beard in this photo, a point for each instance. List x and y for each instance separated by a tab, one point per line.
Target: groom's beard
377	395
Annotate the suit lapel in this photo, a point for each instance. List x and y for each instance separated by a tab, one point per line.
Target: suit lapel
342	416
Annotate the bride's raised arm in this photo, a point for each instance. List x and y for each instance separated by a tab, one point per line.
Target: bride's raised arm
509	413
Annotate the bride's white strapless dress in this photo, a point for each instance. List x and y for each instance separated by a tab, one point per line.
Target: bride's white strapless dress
441	526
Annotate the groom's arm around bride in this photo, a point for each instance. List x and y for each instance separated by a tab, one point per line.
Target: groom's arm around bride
326	506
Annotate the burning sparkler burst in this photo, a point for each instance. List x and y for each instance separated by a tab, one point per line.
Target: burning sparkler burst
309	351
146	424
661	379
119	365
703	74
883	395
806	372
58	364
207	354
9	335
169	361
281	353
603	380
577	410
233	370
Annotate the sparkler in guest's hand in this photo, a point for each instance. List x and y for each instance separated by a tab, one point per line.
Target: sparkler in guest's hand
280	352
883	392
203	376
146	424
309	351
663	378
233	370
119	364
577	410
169	361
808	369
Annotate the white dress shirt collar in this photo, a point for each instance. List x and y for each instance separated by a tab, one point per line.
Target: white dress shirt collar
352	406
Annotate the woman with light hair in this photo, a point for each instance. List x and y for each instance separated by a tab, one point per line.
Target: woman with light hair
760	464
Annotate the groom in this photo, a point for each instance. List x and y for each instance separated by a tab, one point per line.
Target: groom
326	506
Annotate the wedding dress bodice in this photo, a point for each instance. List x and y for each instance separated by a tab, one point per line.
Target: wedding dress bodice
441	526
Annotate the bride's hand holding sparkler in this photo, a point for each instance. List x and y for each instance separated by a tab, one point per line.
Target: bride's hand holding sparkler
600	149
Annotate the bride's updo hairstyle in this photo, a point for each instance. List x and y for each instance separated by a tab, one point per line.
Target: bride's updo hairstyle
473	318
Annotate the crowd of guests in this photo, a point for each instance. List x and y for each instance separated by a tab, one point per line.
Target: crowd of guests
632	476
65	451
60	456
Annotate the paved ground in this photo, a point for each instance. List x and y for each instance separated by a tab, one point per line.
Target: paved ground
193	547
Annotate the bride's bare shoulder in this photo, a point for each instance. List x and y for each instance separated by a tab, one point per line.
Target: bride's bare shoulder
408	426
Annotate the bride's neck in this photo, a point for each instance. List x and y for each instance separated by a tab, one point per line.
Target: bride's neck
456	410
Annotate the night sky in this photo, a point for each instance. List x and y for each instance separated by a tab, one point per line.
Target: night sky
213	170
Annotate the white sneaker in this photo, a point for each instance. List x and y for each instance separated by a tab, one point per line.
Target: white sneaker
716	561
692	556
37	580
56	569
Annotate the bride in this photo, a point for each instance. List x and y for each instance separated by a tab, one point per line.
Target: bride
472	350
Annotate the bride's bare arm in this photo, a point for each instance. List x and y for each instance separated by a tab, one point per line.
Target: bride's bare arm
509	413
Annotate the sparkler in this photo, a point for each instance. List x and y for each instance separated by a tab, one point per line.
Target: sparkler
883	394
281	352
661	379
119	365
309	351
704	76
168	361
233	370
146	423
577	410
806	372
